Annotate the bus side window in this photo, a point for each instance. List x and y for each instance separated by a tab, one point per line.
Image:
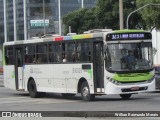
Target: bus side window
20	59
9	56
41	53
70	52
51	52
64	54
84	51
57	57
6	58
26	59
30	54
39	59
57	52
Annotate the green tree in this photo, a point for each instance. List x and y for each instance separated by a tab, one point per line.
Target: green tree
107	12
135	20
150	14
80	20
104	15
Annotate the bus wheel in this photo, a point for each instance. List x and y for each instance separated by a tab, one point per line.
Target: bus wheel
85	92
125	96
33	90
68	94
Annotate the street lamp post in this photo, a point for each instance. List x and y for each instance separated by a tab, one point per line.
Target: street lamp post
5	21
44	16
15	20
82	4
59	11
25	19
138	10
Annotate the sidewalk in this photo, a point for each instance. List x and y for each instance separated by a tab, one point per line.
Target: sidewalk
1	81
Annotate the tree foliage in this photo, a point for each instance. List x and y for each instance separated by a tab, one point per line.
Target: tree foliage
108	13
104	15
80	20
150	14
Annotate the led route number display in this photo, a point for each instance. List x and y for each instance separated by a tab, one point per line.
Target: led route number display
128	36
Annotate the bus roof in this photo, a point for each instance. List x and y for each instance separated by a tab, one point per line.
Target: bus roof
128	31
58	38
71	37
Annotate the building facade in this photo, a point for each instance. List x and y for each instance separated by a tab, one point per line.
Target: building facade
41	16
1	22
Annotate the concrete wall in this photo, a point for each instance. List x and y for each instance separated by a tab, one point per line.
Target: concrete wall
156	44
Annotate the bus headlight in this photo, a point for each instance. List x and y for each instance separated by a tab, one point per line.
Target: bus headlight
150	80
114	81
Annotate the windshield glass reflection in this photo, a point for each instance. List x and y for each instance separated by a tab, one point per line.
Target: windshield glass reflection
128	57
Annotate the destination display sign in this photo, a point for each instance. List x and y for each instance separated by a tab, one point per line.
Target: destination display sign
128	36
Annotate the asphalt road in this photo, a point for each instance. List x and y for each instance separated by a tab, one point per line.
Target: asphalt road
16	100
11	100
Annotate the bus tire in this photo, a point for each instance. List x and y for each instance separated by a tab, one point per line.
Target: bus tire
33	90
125	96
85	92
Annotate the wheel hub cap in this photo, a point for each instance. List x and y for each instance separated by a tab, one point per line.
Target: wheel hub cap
85	91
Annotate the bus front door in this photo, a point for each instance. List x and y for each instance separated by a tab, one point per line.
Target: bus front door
98	66
19	68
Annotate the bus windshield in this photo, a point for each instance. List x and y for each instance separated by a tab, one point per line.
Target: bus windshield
128	56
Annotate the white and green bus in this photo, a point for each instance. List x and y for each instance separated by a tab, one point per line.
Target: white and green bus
92	64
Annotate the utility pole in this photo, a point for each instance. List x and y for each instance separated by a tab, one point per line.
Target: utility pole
121	14
59	11
82	4
44	17
25	19
15	20
5	21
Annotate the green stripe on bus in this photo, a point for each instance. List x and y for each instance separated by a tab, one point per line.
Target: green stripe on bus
90	73
13	75
77	37
128	31
133	77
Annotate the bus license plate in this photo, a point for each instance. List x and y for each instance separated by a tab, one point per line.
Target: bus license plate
134	88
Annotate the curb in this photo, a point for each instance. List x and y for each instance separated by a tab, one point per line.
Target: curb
1	83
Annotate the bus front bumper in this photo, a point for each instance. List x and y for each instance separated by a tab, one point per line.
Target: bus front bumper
112	88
